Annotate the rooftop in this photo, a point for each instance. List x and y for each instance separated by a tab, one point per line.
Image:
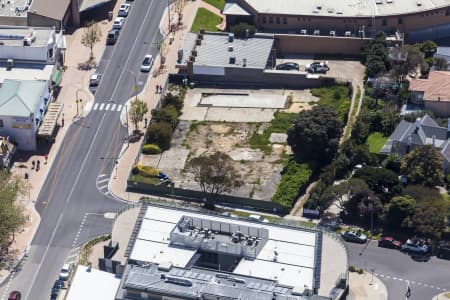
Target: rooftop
435	88
345	8
50	8
17	8
15	36
216	50
289	256
20	98
93	284
26	72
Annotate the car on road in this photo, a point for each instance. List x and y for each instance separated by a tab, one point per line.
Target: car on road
354	236
65	271
389	242
317	67
443	251
413	246
112	37
118	23
147	63
57	286
15	295
124	9
95	79
288	66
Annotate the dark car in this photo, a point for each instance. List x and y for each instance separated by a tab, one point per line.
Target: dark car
112	37
354	236
15	295
443	251
389	242
288	66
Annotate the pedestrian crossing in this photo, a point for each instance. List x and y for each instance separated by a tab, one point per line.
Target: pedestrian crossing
107	107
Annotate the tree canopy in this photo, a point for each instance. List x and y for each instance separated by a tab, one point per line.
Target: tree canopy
380	180
399	209
315	136
424	165
91	36
138	109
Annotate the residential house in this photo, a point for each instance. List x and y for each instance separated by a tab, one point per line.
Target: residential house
433	92
22	106
425	131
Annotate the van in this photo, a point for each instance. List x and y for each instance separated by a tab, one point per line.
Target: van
112	37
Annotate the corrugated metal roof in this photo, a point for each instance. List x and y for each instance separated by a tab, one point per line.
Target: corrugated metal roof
20	98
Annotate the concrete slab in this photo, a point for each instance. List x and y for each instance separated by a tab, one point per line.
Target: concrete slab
250	100
246	154
174	158
238	115
278	138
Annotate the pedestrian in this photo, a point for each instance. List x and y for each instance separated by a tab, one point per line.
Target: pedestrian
32	165
46	157
157	89
38	164
145	122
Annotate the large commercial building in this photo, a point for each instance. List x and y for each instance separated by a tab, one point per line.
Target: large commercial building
418	19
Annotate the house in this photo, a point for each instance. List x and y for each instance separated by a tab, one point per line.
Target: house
425	131
433	92
443	52
22	107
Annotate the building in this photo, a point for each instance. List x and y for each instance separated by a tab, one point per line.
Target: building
443	52
425	131
419	20
433	92
22	107
178	254
14	13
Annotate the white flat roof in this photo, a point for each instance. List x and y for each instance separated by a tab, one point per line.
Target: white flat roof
345	8
93	284
36	72
295	248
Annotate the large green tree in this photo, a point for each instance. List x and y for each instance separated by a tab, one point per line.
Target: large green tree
380	180
428	219
424	165
339	194
399	209
315	136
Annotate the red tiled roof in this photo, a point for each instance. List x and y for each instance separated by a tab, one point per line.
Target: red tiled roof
435	88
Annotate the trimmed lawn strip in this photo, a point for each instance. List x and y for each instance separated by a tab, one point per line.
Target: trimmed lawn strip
204	19
220	4
376	140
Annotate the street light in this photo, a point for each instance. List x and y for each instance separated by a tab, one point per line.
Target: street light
78	100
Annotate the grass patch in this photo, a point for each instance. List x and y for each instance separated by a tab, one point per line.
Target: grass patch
336	96
220	4
352	119
279	124
376	140
144	179
204	19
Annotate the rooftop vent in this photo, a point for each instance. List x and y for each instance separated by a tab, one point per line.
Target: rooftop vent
332	33
348	33
230	37
379	1
232	60
244	62
315	11
194	52
389	1
339	12
198	42
330	10
303	32
319	7
316	32
419	3
230	48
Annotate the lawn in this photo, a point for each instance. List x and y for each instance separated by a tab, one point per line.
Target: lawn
204	19
220	4
337	96
376	140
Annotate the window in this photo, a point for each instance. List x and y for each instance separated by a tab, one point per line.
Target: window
264	19
384	22
1	123
277	20
400	21
270	20
447	12
284	20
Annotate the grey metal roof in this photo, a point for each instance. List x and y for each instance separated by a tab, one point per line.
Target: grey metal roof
233	8
215	51
446	151
20	98
443	51
428	121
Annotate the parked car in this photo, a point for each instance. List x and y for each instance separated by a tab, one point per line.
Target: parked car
288	66
95	79
147	63
65	272
317	67
443	251
112	37
389	242
57	286
354	236
124	9
413	246
15	295
118	23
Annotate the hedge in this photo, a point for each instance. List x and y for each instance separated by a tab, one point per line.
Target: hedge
295	179
145	171
159	134
151	149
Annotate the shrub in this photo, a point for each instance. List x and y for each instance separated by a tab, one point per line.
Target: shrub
239	30
173	100
295	178
151	149
146	171
352	269
159	134
168	114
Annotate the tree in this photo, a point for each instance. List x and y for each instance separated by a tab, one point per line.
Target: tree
11	215
138	109
159	134
362	205
428	48
215	174
240	29
343	192
375	55
315	136
380	180
360	130
92	35
424	166
440	63
399	209
428	219
168	114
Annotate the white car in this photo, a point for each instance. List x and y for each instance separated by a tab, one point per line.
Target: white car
118	23
65	272
147	63
95	79
124	9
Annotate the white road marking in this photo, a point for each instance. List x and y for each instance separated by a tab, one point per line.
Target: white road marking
119	107
103	180
95	106
113	107
102	175
107	106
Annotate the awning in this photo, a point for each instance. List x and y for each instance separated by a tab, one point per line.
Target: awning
48	124
57	76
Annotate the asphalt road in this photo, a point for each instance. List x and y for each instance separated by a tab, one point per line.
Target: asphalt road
70	205
395	269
